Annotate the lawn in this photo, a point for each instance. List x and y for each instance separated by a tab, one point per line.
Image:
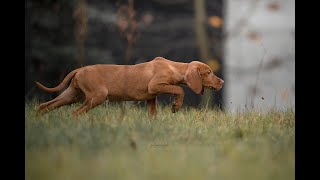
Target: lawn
121	142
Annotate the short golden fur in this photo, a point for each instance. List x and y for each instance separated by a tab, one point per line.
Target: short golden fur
96	83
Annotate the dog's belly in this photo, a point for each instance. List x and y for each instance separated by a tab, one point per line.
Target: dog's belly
128	97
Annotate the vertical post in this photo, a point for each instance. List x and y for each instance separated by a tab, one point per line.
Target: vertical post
201	37
131	31
127	25
80	29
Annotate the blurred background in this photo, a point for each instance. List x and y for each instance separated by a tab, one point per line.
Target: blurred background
248	43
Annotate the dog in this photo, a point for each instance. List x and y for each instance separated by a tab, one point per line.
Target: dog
94	84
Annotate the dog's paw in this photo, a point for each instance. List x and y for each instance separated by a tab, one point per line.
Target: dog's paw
175	107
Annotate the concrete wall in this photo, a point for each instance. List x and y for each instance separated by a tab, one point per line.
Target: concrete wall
259	54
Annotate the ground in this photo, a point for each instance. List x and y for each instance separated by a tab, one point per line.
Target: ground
120	142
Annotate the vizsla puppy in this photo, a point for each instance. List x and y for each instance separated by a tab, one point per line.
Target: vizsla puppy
145	81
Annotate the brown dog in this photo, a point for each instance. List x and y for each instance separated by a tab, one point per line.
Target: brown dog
97	83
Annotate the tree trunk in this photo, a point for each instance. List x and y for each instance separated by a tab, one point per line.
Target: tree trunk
201	37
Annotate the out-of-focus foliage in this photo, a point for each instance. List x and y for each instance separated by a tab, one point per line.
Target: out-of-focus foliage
62	35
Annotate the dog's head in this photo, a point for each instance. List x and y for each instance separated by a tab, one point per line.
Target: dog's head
199	76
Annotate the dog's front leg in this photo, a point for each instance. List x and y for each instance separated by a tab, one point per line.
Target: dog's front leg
176	91
152	107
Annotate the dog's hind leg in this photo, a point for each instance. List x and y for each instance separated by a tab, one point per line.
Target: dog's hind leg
152	107
92	100
94	89
69	96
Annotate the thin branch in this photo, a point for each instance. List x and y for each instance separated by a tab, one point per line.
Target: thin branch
258	72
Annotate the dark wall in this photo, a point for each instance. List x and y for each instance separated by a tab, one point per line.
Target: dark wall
161	28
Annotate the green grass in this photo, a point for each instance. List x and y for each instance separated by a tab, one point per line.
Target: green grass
120	142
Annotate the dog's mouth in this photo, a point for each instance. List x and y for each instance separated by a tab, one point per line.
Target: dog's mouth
202	90
215	89
210	87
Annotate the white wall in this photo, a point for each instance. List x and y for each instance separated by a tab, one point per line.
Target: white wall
274	47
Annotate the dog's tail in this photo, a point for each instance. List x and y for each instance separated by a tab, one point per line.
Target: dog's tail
63	84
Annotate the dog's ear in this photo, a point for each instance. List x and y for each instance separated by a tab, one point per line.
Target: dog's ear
193	78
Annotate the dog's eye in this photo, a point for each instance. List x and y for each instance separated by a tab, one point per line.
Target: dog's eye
209	72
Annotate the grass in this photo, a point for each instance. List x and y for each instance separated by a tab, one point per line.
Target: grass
120	142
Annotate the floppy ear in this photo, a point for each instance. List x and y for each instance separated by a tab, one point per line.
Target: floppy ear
193	78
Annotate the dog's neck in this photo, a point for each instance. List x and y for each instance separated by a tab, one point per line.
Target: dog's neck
182	69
